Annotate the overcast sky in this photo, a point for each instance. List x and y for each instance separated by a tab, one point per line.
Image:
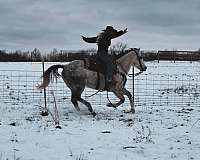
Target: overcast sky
48	24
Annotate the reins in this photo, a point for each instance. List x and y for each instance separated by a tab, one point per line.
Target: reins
123	75
107	91
93	94
110	101
138	73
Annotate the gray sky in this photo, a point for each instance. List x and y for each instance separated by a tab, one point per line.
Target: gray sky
48	24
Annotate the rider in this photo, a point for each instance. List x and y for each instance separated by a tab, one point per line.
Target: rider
103	41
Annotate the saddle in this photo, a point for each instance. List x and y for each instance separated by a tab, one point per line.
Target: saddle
91	64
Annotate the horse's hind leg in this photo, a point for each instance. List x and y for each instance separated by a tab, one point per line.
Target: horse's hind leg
74	100
88	105
76	96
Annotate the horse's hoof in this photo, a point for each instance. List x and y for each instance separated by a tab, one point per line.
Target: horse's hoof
44	113
94	114
110	105
129	111
126	111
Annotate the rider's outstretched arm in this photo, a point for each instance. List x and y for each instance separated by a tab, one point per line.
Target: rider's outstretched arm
118	33
89	39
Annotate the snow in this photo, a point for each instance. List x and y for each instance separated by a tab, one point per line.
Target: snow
157	131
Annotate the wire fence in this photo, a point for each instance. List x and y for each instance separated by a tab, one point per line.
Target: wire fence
169	84
163	84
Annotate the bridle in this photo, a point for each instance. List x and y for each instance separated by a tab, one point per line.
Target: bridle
139	58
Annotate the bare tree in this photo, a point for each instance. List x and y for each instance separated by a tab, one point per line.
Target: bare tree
118	48
36	55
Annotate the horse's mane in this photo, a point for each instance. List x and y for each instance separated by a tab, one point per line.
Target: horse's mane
115	56
122	53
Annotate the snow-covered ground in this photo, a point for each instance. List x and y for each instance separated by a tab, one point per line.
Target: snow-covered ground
157	130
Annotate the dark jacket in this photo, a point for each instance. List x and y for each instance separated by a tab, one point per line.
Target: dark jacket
103	40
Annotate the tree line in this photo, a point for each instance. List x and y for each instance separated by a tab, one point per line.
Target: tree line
63	56
37	56
54	55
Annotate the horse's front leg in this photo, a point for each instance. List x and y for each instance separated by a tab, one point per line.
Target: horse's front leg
119	95
130	97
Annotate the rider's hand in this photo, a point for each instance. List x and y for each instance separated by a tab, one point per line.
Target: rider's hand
125	30
83	38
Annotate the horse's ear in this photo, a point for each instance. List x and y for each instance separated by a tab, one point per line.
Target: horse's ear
138	49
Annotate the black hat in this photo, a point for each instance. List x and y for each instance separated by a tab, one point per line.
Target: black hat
109	28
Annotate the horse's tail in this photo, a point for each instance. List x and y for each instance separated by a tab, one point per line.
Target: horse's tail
49	74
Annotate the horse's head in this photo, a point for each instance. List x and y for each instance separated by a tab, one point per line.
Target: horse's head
138	61
131	57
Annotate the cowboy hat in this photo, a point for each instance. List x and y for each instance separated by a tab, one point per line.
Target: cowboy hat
109	29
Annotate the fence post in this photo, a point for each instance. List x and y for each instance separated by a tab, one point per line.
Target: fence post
133	85
158	56
174	56
45	112
191	58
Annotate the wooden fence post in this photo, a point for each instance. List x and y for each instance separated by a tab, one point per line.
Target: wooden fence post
133	85
158	56
174	56
45	112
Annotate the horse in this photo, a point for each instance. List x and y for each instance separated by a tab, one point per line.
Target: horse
77	76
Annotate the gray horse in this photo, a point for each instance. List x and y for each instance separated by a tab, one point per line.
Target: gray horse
77	76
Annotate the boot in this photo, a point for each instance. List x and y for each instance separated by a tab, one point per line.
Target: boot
110	81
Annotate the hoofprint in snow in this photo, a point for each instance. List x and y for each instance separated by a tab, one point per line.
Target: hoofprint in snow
155	132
